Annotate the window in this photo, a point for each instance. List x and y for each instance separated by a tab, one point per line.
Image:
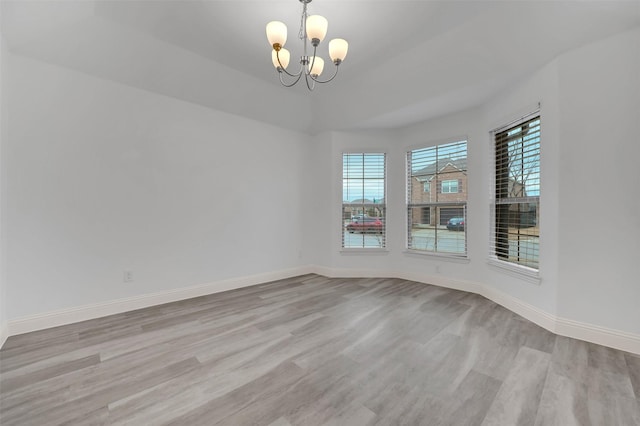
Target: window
449	186
363	200
436	219
426	186
516	201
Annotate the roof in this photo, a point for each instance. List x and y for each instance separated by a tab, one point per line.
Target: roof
367	201
432	169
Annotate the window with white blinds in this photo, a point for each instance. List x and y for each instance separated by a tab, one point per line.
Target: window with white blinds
516	203
363	200
437	199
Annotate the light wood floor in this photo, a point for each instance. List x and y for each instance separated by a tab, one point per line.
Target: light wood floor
313	351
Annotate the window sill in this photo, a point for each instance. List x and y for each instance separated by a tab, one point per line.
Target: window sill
438	256
370	251
522	272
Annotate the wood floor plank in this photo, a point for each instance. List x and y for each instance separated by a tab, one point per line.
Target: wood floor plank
467	406
311	350
10	384
633	365
564	402
519	396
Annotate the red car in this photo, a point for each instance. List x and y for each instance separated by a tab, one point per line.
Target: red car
367	224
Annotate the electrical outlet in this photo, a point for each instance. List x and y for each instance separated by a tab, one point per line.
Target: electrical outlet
437	269
128	276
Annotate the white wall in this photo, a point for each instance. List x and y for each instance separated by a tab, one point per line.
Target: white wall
3	129
102	178
589	243
317	210
599	230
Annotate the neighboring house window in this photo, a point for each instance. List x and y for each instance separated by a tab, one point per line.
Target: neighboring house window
449	186
516	201
437	220
426	186
363	200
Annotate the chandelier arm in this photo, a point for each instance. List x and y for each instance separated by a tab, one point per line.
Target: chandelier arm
326	81
285	70
313	84
292	84
298	74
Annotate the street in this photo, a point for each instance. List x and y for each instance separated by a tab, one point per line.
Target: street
441	240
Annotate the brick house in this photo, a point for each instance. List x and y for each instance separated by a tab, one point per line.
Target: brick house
447	186
443	182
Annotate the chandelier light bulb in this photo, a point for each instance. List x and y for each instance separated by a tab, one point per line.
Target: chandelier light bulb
338	48
276	33
318	65
284	56
316	28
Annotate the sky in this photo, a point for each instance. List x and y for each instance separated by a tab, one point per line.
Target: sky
363	177
364	173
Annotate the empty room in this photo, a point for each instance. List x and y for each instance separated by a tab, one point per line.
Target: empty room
327	212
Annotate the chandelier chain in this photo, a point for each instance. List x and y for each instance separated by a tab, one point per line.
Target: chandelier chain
302	19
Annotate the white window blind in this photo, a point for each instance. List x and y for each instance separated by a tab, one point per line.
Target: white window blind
436	218
363	200
516	202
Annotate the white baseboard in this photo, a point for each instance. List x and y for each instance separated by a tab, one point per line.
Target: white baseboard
616	339
525	310
350	273
103	309
565	327
600	335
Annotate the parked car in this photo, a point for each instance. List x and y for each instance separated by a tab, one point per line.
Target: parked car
456	224
366	224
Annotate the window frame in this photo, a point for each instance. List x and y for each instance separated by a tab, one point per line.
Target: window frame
528	272
409	204
382	207
449	186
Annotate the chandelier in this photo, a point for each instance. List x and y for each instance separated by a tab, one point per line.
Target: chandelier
313	28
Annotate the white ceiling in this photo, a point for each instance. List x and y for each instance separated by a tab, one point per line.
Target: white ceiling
234	31
408	60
